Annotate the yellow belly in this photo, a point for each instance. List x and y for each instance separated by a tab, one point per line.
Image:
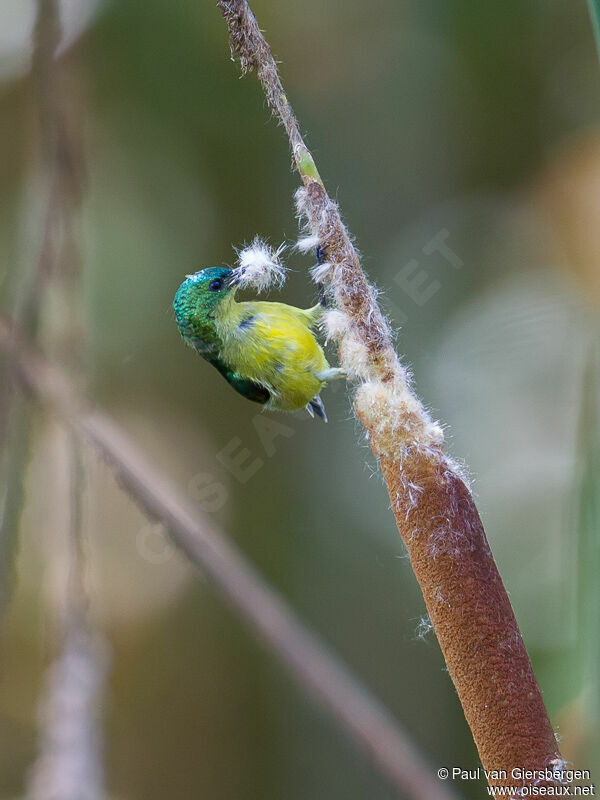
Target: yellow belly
277	349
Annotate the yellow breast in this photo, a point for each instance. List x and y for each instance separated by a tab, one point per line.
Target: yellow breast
273	344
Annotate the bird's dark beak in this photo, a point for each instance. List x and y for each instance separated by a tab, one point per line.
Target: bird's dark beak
232	279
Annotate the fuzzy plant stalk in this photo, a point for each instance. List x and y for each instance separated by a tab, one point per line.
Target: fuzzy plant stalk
434	510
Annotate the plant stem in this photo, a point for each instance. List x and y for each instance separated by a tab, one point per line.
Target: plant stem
434	511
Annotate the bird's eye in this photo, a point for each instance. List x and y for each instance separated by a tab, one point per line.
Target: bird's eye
216	285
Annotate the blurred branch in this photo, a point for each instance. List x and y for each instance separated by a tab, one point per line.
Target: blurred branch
68	767
15	421
62	162
15	444
58	259
434	510
69	764
315	669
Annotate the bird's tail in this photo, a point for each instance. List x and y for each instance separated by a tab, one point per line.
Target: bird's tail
315	406
313	315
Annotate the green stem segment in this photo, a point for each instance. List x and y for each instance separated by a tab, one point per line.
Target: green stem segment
306	166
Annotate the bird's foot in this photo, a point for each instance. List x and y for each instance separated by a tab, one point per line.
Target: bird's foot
315	406
331	374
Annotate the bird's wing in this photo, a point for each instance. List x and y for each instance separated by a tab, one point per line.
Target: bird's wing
270	338
245	386
313	315
271	310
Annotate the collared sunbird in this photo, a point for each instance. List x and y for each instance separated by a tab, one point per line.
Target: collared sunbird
266	350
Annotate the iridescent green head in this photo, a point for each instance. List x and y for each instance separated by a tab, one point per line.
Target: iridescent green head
195	303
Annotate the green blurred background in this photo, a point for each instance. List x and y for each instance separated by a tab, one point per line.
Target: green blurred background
472	121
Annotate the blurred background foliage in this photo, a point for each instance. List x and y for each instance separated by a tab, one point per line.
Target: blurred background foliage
479	119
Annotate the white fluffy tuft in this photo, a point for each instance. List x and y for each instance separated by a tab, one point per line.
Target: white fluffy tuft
354	355
307	243
424	627
393	414
390	410
320	272
335	323
259	266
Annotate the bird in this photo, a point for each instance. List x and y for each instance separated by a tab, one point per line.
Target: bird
267	351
